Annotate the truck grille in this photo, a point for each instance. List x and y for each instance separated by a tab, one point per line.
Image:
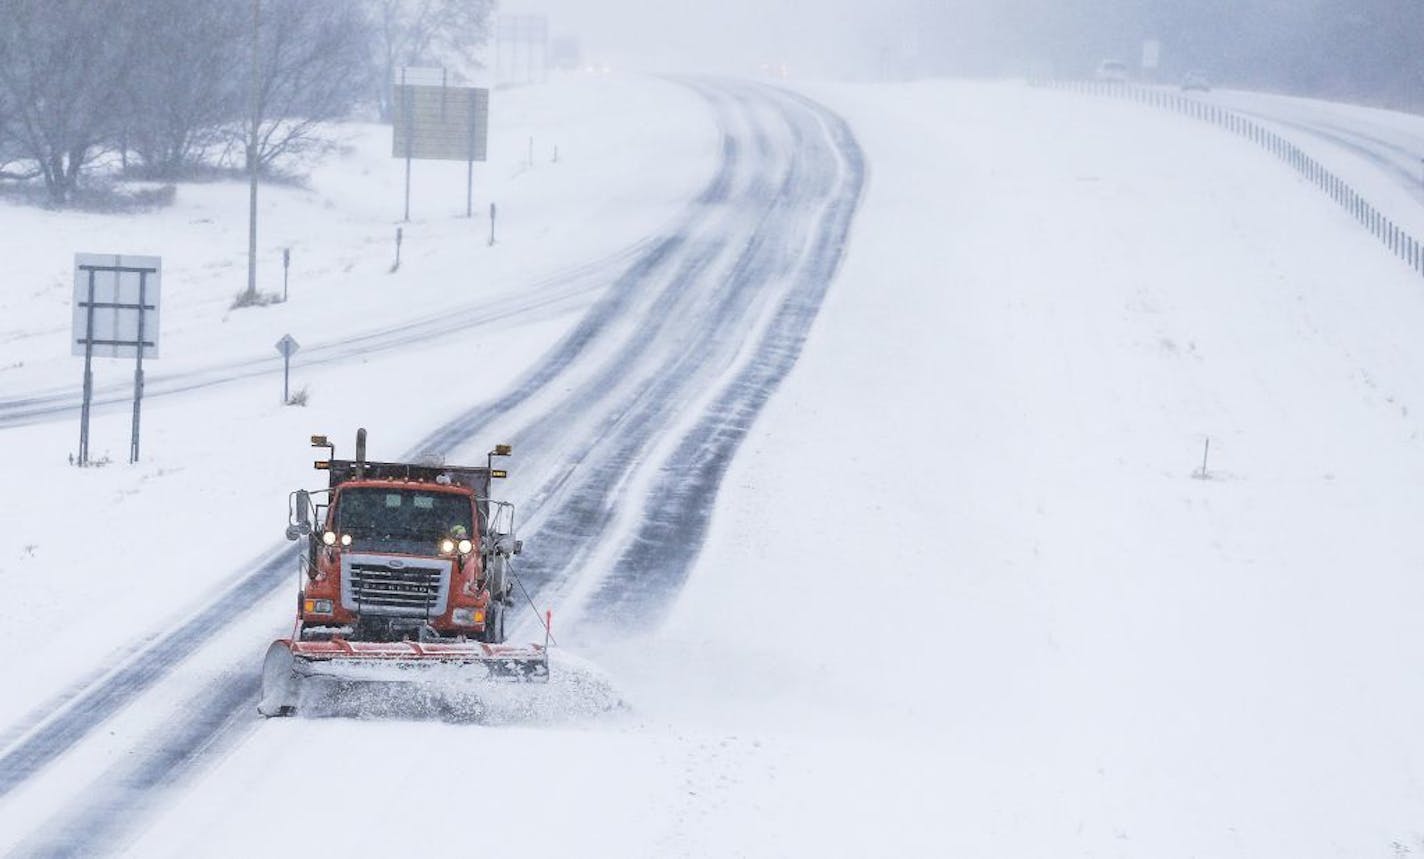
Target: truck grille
395	586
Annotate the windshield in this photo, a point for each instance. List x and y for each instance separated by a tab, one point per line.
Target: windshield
407	521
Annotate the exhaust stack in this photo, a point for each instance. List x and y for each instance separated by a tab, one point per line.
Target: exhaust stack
361	453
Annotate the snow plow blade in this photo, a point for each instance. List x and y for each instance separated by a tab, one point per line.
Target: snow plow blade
358	660
288	662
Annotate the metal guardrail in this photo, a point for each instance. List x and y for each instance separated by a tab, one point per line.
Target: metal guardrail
1402	244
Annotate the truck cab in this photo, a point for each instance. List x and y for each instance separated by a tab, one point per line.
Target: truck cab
403	552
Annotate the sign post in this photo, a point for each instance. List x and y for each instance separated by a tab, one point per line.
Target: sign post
87	338
521	49
407	107
288	347
138	365
286	264
116	302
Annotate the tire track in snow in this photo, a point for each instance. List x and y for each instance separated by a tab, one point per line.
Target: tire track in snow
556	294
575	528
76	713
619	301
653	568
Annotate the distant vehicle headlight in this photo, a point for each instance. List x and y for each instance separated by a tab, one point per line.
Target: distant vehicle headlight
318	606
345	539
447	546
466	547
329	538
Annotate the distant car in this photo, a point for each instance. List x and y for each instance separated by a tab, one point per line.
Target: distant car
1112	71
1195	82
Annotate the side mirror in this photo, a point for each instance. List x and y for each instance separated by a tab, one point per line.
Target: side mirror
505	544
302	508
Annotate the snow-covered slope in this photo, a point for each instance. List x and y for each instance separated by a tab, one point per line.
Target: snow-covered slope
601	195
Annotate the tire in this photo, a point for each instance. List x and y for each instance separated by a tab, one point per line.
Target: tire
496	580
494	624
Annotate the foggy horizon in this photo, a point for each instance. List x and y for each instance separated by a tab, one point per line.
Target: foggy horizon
1317	47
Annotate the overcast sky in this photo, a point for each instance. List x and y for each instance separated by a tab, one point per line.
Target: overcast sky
1371	50
815	37
872	39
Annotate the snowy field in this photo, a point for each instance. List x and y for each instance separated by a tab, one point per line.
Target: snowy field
964	593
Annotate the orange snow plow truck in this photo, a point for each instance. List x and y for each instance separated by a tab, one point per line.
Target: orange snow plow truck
405	573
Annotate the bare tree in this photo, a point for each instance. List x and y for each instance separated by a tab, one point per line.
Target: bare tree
313	67
427	32
184	88
9	154
63	66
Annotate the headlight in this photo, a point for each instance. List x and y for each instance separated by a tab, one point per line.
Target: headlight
345	539
318	606
447	546
467	616
466	547
329	538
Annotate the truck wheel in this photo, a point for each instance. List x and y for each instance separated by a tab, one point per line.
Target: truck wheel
496	581
494	624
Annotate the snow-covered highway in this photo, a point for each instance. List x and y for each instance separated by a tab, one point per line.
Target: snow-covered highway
866	476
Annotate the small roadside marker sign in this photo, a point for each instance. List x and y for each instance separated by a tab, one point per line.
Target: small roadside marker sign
287	347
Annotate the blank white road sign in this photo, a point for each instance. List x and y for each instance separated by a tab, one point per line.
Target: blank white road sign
445	123
122	292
